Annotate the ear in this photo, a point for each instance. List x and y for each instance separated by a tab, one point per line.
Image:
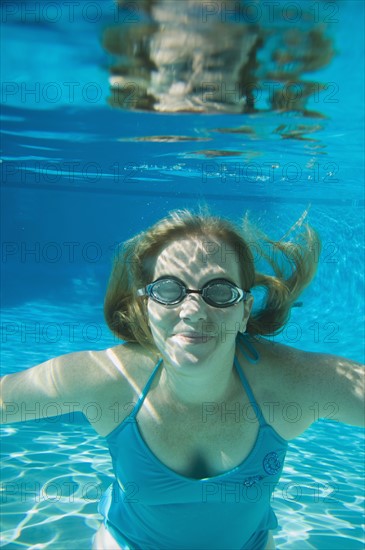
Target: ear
248	303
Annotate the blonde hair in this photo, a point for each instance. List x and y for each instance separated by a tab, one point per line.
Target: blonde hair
292	262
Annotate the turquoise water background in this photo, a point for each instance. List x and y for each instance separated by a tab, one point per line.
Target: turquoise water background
78	177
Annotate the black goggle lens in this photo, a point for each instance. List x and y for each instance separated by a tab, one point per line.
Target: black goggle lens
222	293
167	291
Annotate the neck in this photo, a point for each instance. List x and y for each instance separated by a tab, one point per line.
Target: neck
190	386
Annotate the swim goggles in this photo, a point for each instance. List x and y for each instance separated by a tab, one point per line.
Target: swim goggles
171	291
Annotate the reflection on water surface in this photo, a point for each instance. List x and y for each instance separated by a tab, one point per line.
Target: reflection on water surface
217	57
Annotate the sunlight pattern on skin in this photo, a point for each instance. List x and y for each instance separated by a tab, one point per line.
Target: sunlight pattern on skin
167	323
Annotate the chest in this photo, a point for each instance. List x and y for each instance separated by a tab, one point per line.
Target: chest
207	443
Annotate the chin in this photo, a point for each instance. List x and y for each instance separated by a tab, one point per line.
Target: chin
188	355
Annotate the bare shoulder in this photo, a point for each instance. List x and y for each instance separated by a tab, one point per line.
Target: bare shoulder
87	381
121	362
119	375
123	366
310	386
305	368
96	369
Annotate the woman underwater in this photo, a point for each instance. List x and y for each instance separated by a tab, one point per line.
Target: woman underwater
186	400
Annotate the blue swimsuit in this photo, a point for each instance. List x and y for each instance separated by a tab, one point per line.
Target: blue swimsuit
151	507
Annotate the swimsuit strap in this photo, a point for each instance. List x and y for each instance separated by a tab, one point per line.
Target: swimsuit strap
144	392
256	407
244	342
252	358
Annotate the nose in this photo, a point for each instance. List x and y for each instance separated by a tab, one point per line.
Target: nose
193	308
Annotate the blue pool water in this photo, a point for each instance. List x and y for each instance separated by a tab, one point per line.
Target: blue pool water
80	175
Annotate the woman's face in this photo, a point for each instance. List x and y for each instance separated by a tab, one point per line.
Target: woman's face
193	331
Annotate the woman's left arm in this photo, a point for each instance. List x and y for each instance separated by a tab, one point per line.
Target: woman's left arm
337	384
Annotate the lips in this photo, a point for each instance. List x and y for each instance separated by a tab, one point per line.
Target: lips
193	337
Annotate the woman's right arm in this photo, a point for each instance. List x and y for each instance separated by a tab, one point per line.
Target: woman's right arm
58	386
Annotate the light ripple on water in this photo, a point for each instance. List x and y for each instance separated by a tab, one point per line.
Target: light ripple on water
51	494
55	473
